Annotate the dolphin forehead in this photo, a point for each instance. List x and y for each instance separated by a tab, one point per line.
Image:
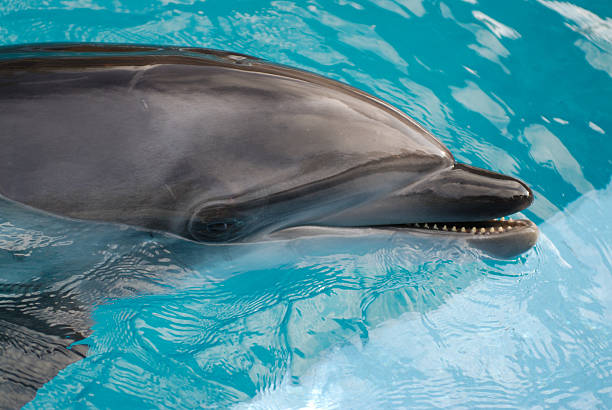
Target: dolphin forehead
143	138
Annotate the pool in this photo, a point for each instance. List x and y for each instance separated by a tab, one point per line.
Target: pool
522	88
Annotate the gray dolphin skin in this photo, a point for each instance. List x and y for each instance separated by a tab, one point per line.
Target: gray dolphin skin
219	147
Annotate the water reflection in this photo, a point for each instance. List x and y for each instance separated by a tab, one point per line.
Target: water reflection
360	36
392	6
473	98
500	30
598	46
549	151
488	47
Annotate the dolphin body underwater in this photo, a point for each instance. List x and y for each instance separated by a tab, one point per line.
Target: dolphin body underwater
210	147
220	147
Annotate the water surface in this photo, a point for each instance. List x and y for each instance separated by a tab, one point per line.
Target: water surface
519	87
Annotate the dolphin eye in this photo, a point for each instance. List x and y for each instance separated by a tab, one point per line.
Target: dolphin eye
222	227
215	224
217	227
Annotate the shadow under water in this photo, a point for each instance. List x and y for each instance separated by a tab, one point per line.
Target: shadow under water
193	324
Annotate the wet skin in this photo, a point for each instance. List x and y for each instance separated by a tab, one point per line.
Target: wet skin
220	147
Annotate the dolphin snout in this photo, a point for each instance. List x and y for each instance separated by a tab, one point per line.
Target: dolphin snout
461	202
458	193
467	193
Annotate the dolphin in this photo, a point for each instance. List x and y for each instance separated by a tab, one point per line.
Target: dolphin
206	147
221	147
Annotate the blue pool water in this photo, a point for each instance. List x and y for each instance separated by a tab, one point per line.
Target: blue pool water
519	87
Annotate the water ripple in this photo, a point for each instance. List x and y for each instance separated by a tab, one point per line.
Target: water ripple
518	88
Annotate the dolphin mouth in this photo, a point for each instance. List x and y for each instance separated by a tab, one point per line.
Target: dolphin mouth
499	238
460	202
498	226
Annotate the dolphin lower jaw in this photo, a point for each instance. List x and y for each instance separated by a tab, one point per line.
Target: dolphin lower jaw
499	238
518	236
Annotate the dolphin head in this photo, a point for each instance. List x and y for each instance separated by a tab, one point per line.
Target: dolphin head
218	147
357	162
456	203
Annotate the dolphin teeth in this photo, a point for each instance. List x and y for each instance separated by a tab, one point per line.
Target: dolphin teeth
499	228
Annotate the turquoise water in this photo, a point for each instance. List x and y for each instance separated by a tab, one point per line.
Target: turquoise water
520	87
